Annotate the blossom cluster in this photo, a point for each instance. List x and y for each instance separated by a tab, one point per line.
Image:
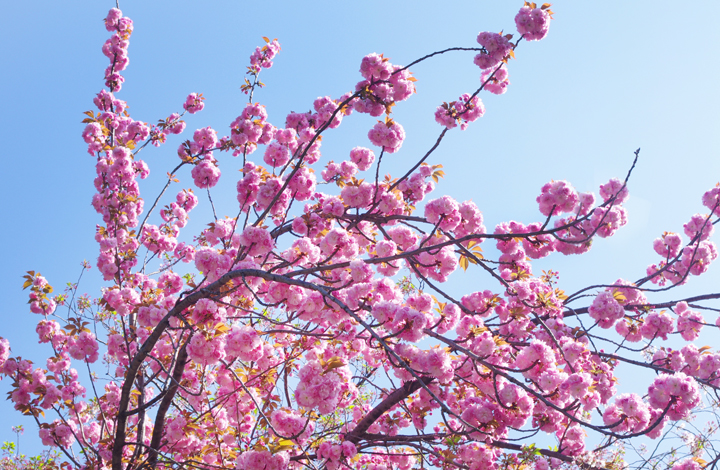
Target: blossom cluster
679	262
533	22
497	47
464	111
115	48
263	56
259	352
383	85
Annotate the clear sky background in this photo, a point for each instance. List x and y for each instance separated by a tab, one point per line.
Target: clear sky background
610	77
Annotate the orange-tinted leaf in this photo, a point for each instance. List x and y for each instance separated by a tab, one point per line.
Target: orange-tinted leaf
463	263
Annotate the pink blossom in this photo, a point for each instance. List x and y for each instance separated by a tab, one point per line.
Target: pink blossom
184	252
538	246
244	342
43	307
212	263
697	258
157	241
262	460
465	110
437	363
471	220
551	379
557	197
444	211
606	310
123	301
208	312
403	236
614	188
711	200
84	348
573	438
325	108
533	23
347	169
276	154
362	157
606	221
322	388
657	324
534	359
112	18
509	245
4	351
681	389
125	24
105	101
333	206
359	195
375	67
481	303
262	57
206	351
331	172
205	174
574	239
194	103
496	46
422	302
410	323
151	315
437	265
267	192
573	351
389	135
58	434
290	424
93	135
47	330
689	322
248	187
416	186
170	282
668	245
338	241
257	240
449	318
174	125
360	271
699	226
302	184
686	464
495	80
577	384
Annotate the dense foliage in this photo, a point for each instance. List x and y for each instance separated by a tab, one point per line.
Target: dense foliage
313	329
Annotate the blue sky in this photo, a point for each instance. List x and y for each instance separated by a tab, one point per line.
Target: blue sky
609	78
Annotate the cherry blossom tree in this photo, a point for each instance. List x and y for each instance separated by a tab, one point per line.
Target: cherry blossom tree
312	328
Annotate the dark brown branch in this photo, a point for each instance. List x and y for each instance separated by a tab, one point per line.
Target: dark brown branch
391	400
159	427
633	307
